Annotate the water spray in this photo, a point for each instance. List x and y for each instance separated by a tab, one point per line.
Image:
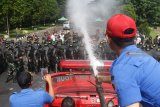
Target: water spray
79	17
81	12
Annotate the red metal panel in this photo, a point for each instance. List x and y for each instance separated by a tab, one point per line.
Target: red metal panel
81	64
107	64
79	86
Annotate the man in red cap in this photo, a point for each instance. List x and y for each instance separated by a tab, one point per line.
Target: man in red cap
135	74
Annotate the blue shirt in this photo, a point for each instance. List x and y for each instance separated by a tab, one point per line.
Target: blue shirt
136	76
30	98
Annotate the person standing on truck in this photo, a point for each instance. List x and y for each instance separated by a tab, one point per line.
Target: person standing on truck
29	97
135	74
68	102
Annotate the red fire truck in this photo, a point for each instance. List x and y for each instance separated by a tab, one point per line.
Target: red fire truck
78	81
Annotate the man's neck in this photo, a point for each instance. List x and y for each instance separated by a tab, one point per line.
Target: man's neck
119	51
26	88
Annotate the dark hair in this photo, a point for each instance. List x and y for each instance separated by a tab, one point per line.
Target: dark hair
68	102
24	79
123	42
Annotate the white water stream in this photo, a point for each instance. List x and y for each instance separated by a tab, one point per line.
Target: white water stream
82	13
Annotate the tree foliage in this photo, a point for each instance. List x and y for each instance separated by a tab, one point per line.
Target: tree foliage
146	11
62	5
144	29
25	13
129	10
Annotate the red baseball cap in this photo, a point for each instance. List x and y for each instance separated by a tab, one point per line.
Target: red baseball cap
119	24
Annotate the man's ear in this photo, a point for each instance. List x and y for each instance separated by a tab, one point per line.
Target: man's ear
30	84
111	43
109	40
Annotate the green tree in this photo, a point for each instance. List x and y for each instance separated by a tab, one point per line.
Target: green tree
62	6
51	12
20	13
130	10
144	28
6	13
153	13
147	11
21	10
44	10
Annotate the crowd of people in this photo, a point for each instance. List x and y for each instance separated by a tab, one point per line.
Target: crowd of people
47	51
149	45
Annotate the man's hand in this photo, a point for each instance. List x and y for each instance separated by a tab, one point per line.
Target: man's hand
106	79
47	78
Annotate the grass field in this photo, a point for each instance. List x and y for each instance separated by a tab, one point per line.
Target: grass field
155	32
24	31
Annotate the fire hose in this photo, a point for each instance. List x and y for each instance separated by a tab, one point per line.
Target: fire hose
99	89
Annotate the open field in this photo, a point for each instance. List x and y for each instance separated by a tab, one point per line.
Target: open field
23	31
155	32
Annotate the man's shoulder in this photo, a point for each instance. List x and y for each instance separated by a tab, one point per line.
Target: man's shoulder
45	95
133	60
13	95
33	91
134	57
40	91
